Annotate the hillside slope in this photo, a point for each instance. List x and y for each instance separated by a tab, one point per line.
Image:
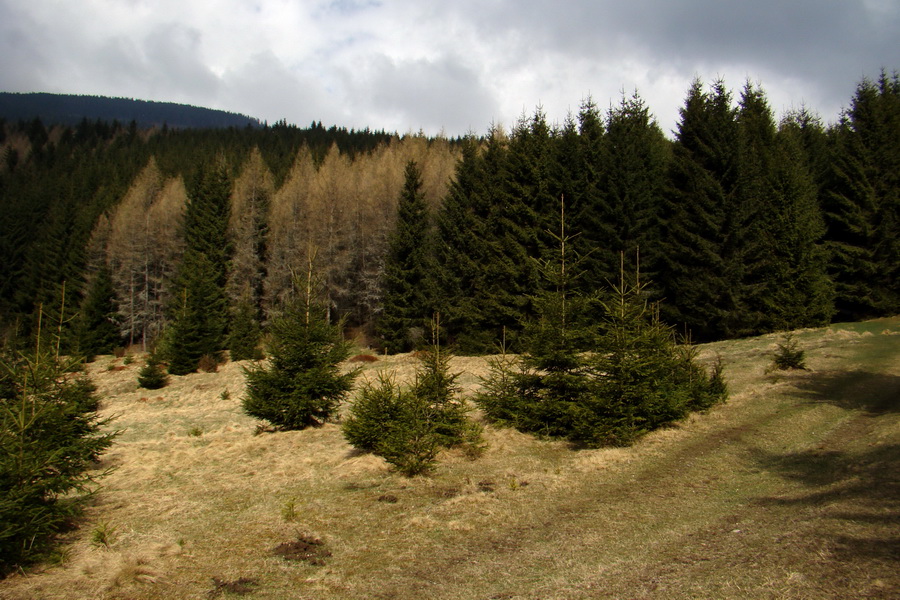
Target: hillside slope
787	491
68	109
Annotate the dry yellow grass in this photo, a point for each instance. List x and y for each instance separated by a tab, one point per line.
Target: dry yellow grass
763	497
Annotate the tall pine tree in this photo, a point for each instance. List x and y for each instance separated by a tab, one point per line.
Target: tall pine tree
97	329
199	311
700	270
797	291
459	249
406	298
862	203
638	155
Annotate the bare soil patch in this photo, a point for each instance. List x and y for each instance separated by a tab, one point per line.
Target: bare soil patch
303	549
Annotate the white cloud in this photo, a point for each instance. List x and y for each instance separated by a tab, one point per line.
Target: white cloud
405	65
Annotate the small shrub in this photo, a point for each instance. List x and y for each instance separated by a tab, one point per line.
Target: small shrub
195	432
788	355
129	359
289	511
411	444
378	407
408	427
152	376
103	535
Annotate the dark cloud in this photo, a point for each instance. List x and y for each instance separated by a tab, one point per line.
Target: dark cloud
454	65
24	61
826	46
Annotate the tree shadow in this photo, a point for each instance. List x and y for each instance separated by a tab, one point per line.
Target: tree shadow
873	475
875	393
856	498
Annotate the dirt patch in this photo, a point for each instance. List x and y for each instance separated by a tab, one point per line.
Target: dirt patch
367	358
240	587
303	549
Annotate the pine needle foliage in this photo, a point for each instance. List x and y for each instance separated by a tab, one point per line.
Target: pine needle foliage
152	375
408	427
643	378
541	390
636	378
243	339
407	265
97	325
788	354
199	315
302	385
50	437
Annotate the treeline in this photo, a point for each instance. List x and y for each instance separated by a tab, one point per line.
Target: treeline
740	225
62	187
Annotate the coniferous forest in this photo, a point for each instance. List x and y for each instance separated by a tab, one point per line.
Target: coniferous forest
189	242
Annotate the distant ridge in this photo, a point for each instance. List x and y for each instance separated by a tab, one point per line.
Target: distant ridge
68	109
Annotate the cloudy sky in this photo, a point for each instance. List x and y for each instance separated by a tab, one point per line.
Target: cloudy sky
455	66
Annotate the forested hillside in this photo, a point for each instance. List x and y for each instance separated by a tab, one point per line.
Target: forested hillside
70	110
741	224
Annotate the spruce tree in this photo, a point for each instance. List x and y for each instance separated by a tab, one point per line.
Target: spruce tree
302	385
590	211
515	184
530	191
754	235
796	290
406	298
635	180
636	379
98	328
409	426
862	203
490	270
50	440
459	248
643	378
244	333
198	311
152	376
701	269
547	385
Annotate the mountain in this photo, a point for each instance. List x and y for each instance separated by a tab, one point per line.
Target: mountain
68	109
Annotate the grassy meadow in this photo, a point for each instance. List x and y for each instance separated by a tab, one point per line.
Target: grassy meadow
791	489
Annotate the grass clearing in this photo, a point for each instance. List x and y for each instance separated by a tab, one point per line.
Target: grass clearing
790	490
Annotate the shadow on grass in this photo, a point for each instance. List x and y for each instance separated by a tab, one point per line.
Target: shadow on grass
851	490
875	393
872	476
853	499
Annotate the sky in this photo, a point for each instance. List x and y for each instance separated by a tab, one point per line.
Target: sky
447	67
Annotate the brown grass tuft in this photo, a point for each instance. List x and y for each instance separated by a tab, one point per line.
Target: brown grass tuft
208	364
